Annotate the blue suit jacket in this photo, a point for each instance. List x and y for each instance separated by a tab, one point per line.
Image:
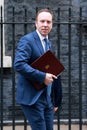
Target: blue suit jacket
28	50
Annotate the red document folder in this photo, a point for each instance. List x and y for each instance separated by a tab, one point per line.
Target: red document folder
48	63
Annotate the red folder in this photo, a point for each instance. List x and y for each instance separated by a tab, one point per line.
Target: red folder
48	63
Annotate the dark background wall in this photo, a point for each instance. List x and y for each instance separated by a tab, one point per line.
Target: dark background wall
30	5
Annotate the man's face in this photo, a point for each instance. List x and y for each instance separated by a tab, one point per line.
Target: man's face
44	23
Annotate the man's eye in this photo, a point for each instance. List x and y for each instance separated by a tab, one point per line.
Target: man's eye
43	21
48	22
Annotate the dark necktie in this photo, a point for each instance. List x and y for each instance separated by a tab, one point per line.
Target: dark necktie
46	44
46	49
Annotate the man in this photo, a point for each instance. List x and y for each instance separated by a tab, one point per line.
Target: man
37	105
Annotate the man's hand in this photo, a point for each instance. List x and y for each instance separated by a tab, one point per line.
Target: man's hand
49	78
55	109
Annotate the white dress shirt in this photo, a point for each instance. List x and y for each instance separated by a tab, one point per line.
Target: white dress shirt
42	39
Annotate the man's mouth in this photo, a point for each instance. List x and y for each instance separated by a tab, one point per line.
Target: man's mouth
45	30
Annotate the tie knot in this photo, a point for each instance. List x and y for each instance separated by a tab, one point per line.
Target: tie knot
45	39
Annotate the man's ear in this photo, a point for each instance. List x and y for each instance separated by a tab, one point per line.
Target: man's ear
35	23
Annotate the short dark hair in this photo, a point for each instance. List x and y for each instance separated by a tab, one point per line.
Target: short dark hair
44	10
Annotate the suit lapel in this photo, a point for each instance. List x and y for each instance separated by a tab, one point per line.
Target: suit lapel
38	42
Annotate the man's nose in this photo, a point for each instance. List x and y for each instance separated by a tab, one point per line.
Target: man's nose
45	23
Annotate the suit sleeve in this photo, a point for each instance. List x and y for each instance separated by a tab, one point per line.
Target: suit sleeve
21	62
57	92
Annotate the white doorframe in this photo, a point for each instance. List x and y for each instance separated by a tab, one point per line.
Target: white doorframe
7	62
